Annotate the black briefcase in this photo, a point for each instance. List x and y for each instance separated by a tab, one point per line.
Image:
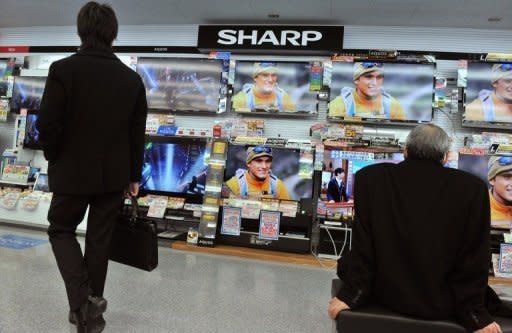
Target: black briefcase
134	241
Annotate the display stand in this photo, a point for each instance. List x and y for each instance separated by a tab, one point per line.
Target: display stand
210	210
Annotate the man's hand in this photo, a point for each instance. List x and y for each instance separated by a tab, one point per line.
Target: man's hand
491	328
133	189
336	306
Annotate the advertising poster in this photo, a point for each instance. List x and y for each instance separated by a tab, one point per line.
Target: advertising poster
269	225
505	262
157	207
231	221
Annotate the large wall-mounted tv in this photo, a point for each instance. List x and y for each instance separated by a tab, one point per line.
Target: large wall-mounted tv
175	167
274	87
178	84
343	165
266	172
488	101
499	169
27	93
380	91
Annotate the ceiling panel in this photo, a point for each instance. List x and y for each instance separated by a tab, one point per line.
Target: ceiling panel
432	13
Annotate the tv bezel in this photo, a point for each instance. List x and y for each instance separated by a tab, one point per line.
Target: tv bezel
310	197
379	121
18	110
260	112
37	146
189	198
222	84
481	124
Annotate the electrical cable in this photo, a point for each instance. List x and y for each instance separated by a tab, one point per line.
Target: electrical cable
338	256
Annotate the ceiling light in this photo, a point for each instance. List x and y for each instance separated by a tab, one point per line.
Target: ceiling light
494	19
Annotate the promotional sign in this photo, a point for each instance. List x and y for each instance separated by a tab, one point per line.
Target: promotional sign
269	225
265	37
231	221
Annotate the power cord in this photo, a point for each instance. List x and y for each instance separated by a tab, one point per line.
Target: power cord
338	256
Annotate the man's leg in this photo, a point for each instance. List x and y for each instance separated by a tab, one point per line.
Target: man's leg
64	215
103	213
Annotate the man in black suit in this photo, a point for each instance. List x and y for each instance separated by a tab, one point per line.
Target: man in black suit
336	189
420	242
91	123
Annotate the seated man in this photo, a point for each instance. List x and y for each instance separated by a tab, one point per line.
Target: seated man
420	242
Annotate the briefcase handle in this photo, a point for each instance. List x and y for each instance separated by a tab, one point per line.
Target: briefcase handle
135	209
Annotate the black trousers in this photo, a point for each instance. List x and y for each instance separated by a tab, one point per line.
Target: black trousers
83	274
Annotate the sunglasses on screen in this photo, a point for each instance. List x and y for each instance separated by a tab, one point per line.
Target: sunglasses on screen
505	67
262	149
505	160
367	65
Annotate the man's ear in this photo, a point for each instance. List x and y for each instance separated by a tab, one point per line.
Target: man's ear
445	159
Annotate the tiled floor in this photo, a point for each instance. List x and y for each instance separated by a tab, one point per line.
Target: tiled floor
188	292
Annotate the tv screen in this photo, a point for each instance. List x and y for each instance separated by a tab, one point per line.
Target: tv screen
175	167
31	139
488	94
278	87
3	88
41	183
499	169
3	78
372	90
27	93
340	167
178	84
266	172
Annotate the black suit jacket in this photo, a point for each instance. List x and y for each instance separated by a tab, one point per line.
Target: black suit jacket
91	123
335	193
420	242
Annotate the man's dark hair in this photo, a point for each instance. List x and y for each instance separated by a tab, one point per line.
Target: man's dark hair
97	26
427	142
337	171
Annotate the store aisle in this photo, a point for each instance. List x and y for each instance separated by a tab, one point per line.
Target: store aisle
188	292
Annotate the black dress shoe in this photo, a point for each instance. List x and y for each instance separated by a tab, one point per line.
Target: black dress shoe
80	317
97	305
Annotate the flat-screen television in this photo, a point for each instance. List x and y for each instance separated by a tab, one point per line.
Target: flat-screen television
378	91
338	171
41	183
488	95
4	86
260	172
3	78
175	167
31	139
275	87
496	171
27	93
178	84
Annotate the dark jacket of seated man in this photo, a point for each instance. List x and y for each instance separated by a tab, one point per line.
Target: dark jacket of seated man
420	239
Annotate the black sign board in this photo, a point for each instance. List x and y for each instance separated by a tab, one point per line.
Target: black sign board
307	39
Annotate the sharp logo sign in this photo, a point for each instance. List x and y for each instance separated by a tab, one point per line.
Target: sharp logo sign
268	37
296	39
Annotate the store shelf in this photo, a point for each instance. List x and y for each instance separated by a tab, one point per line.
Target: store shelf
6	182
